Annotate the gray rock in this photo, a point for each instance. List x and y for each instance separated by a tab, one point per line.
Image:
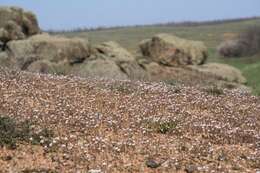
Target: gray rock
174	51
191	168
152	163
16	24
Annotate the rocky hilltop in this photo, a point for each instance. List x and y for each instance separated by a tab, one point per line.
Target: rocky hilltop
162	58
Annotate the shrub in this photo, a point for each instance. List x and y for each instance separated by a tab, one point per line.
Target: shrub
214	90
12	132
248	43
162	127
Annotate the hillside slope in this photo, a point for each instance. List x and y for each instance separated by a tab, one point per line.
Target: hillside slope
126	126
129	37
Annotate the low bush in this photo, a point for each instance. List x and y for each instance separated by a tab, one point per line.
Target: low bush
162	127
214	90
13	132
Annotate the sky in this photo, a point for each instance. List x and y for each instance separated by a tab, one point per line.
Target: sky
70	14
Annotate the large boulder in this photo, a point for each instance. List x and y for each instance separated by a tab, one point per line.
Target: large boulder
222	72
99	68
15	24
123	59
211	74
174	51
233	48
115	52
51	48
5	61
47	67
42	66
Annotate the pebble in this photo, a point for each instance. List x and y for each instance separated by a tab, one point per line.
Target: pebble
152	163
94	171
191	168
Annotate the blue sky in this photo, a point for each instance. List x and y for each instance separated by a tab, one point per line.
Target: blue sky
69	14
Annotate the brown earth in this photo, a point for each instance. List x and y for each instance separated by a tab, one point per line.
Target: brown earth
126	126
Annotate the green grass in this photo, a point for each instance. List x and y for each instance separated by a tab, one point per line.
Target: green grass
130	37
211	35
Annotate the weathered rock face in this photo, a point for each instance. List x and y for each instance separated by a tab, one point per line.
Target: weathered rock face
5	61
115	52
211	74
110	60
222	72
42	66
99	68
173	51
16	24
50	48
112	51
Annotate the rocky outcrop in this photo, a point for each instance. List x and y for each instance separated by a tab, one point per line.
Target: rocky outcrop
112	51
42	66
163	58
5	61
174	51
16	24
222	72
49	48
103	68
222	75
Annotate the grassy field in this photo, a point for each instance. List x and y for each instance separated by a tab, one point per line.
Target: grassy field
212	35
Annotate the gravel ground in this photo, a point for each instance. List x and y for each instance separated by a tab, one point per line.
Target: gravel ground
130	126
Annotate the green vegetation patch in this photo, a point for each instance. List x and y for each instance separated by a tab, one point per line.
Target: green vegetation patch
13	132
163	127
252	73
214	90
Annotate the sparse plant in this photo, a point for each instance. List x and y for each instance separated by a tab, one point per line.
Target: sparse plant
162	127
13	132
172	82
214	90
121	88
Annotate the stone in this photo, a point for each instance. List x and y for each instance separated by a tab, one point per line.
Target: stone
174	51
99	68
51	48
152	163
16	24
124	59
221	71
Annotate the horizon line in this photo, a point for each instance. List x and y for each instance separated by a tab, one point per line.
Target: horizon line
187	23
